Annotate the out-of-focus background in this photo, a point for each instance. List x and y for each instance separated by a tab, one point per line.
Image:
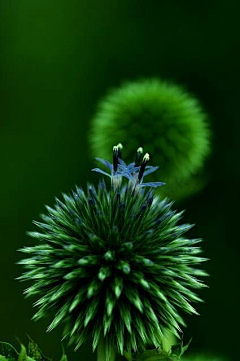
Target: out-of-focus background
57	59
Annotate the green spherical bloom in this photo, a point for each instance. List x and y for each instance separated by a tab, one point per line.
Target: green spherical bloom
166	119
113	263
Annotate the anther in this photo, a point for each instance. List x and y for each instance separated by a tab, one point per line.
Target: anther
118	196
102	185
149	201
120	148
122	205
91	192
115	157
91	201
143	166
138	157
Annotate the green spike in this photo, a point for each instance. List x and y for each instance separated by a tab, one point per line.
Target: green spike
133	341
78	322
110	303
78	299
107	322
133	297
118	286
88	261
124	267
126	316
120	336
104	272
80	339
97	332
59	316
109	256
141	329
93	288
91	311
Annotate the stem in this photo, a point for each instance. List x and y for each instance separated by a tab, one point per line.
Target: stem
127	355
105	352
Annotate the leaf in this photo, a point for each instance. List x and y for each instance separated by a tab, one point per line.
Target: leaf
8	351
23	354
178	350
153	355
2	358
184	348
64	356
35	352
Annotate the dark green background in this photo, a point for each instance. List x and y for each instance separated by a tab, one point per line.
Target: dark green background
57	58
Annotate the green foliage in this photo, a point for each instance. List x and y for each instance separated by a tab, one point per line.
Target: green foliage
164	118
173	354
114	263
9	353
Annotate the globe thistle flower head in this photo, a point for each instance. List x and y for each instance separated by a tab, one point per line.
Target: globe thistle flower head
113	263
163	116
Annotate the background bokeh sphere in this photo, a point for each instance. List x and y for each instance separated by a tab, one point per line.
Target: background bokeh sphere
164	119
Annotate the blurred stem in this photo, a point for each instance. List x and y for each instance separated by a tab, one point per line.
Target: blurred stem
127	355
105	353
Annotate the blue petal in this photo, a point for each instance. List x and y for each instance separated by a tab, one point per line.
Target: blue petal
152	184
150	170
128	176
133	169
129	169
122	167
122	162
101	171
105	162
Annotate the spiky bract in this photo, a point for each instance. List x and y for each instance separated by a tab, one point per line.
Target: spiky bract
114	263
164	117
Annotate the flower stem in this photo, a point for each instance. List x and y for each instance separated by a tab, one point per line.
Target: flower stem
127	355
105	353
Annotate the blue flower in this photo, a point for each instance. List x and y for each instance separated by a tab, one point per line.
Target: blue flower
134	172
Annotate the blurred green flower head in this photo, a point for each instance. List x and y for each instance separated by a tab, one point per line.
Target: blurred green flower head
170	123
113	262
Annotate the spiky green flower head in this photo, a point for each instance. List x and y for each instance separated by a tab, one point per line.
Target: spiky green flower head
164	117
113	263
